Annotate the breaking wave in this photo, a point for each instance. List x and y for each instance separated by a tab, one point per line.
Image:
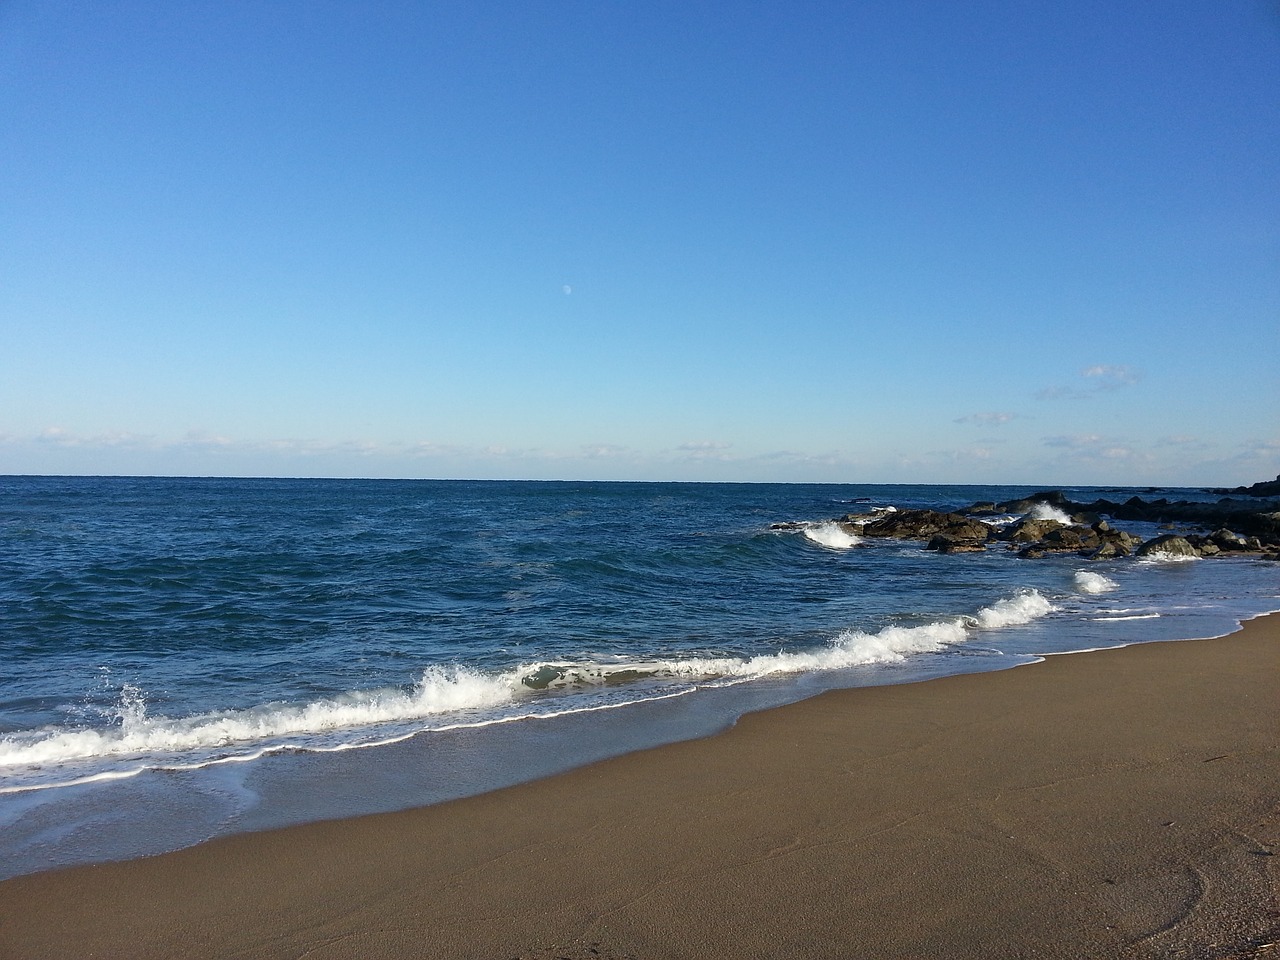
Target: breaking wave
135	733
458	693
1089	582
831	535
1047	511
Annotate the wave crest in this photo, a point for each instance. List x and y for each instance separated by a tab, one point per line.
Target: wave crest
1089	582
1047	511
831	534
440	690
452	690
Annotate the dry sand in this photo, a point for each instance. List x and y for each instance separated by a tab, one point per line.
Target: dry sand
1121	803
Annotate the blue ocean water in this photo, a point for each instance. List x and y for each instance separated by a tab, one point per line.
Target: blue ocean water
181	658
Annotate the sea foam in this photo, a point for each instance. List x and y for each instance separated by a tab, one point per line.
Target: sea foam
1047	511
1089	582
831	535
440	690
454	691
848	649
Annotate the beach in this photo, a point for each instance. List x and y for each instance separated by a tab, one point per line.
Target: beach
1115	803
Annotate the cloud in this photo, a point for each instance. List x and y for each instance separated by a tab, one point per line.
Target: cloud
704	450
59	437
1091	446
978	452
1102	377
1184	442
1111	377
988	418
601	451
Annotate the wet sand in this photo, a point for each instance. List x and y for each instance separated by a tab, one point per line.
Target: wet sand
1121	803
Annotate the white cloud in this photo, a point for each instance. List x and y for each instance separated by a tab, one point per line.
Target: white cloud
1102	377
601	451
703	445
990	418
1091	446
1110	376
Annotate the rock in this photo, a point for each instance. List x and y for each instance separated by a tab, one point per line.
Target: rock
1029	530
926	524
1263	488
948	544
1224	539
1108	550
1169	545
1070	538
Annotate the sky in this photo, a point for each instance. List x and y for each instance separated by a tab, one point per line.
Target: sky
869	241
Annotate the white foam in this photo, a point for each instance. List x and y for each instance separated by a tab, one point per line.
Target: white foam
1160	556
1135	616
831	535
440	690
849	649
1014	611
1089	582
447	692
1047	511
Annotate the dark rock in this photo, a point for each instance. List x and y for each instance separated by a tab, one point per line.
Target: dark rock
948	544
1108	550
926	524
1206	547
1225	540
1029	530
1070	538
1170	545
1263	488
986	508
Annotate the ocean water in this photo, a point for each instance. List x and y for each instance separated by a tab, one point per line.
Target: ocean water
184	658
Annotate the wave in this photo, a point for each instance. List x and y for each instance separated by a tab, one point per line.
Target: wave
1161	556
1047	511
453	691
831	534
849	649
439	691
1089	582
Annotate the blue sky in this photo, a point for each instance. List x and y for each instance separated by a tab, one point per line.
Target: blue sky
1025	242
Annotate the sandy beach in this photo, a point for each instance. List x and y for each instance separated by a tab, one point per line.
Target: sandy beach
1121	803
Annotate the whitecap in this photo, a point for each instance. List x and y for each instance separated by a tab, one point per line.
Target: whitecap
1089	582
1047	511
831	535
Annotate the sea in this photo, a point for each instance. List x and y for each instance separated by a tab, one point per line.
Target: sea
185	658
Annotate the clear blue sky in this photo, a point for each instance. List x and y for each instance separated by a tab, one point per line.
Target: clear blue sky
858	241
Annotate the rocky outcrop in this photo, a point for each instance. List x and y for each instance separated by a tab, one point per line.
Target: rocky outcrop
1263	488
1241	516
925	525
1238	527
1029	530
948	544
1170	545
1112	543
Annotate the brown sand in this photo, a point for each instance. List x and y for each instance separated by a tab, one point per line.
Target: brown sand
1111	804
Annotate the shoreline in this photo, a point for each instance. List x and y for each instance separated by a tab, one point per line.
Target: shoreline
1117	802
